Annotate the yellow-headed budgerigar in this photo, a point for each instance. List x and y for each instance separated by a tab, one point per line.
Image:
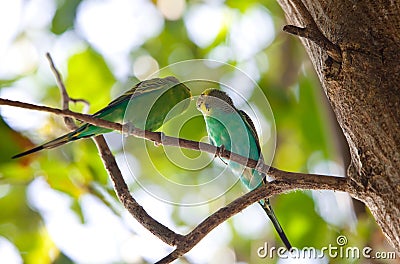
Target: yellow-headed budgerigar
234	130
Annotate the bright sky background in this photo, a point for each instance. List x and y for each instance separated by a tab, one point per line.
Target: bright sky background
135	21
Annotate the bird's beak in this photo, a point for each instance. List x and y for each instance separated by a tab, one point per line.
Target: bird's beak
200	102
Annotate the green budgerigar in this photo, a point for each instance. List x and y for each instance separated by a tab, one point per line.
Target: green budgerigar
147	105
234	130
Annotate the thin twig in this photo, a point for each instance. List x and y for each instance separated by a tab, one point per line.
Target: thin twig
63	91
64	95
312	32
60	83
122	190
69	113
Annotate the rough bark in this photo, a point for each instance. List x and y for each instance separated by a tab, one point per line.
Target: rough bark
363	87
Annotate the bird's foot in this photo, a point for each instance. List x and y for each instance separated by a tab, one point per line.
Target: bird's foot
162	138
220	153
260	167
127	129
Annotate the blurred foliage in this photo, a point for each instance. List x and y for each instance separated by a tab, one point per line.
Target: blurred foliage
64	16
86	83
285	77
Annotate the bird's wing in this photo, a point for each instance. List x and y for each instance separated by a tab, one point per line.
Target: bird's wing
251	127
253	130
126	96
140	88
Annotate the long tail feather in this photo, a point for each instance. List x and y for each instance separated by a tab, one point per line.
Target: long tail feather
74	135
38	148
268	209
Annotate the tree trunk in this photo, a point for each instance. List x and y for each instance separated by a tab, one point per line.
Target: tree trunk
363	87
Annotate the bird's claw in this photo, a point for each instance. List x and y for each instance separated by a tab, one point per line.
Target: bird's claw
260	165
220	151
128	129
162	138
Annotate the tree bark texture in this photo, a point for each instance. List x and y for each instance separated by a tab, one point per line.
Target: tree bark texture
363	88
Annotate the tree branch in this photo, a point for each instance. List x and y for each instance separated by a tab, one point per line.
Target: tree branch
165	140
82	117
312	32
289	182
284	181
120	187
162	232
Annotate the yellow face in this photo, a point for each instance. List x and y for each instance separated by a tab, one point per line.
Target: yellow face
203	105
214	99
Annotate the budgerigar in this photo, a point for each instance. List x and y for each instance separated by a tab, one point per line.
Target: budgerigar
234	130
147	106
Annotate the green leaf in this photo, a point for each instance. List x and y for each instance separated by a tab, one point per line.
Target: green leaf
62	259
90	78
65	16
24	227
